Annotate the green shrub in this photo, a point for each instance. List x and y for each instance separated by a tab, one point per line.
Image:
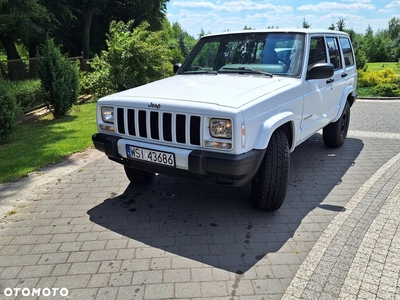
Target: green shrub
98	82
387	90
9	112
135	56
373	78
366	92
59	78
27	93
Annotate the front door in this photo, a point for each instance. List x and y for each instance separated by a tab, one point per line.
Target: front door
316	91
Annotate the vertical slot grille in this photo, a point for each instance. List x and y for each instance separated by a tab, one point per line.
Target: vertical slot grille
142	124
131	122
154	124
162	126
120	120
195	130
181	129
167	127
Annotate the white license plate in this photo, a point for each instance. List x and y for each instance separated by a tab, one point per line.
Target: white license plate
158	157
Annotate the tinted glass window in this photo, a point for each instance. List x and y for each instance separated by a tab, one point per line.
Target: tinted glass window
205	59
317	51
347	51
275	53
334	52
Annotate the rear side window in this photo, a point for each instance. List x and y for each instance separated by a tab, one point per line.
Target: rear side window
347	51
317	51
334	52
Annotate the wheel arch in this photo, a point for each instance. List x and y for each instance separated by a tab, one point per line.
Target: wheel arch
348	96
283	121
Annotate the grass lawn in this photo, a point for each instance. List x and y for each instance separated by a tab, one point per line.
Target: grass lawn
377	66
39	143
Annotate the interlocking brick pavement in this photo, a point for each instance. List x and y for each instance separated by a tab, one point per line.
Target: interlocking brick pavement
88	230
360	248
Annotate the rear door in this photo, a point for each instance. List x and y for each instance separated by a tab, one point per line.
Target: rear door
337	83
349	61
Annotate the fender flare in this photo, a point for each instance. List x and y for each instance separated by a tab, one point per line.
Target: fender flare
347	91
268	127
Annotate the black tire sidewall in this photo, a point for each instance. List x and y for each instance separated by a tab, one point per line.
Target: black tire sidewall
269	186
333	135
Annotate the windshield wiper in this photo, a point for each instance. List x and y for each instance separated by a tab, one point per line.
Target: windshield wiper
200	71
248	69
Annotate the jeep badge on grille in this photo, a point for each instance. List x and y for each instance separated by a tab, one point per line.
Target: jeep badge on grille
155	105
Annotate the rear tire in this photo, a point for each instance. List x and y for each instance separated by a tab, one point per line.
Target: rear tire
138	176
269	186
335	133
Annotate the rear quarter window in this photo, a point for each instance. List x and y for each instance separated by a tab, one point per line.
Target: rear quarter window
347	51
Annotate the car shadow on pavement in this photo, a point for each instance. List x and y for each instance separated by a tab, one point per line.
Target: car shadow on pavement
216	225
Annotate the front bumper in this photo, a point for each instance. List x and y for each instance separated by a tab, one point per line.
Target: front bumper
221	168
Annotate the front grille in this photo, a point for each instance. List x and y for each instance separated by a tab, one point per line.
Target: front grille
162	126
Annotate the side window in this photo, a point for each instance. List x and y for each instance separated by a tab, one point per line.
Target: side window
334	52
317	51
347	51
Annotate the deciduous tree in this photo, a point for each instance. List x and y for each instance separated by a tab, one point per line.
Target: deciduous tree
135	56
19	20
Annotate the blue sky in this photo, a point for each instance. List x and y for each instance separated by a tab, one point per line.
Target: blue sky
217	16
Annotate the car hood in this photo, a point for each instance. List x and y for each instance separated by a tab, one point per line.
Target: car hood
233	90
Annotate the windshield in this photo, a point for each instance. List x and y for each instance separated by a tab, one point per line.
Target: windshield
256	53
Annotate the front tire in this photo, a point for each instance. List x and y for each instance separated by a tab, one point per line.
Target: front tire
335	133
269	186
138	176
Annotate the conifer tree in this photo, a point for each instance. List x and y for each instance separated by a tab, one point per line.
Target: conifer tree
59	78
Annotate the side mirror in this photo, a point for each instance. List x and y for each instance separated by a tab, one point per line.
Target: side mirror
321	71
176	67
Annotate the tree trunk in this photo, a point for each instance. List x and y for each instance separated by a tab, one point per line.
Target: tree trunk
16	69
33	60
9	47
86	31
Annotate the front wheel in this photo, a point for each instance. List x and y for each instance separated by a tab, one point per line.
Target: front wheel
138	176
335	133
269	186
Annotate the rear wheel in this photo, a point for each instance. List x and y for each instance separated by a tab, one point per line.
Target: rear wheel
269	186
335	133
138	176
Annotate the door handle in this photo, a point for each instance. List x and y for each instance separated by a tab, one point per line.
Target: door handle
344	75
330	80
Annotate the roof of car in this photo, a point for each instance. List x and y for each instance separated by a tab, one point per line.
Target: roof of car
283	30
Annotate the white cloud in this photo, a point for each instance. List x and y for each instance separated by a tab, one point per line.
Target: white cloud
358	1
394	5
192	5
329	6
232	6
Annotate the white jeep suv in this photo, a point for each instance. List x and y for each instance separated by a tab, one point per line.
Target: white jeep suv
235	109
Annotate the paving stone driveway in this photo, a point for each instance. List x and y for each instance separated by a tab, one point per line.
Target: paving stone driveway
91	232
